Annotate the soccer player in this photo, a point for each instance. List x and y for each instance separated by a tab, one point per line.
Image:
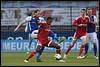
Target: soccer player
43	39
32	27
80	23
91	33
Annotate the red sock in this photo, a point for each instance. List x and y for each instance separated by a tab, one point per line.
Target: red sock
69	48
31	55
81	50
58	51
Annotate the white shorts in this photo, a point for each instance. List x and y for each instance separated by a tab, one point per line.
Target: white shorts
47	44
92	37
82	37
34	34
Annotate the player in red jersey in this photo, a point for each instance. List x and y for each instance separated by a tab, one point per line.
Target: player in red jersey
80	23
43	40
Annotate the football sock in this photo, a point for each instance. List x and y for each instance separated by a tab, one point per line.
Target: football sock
69	48
38	54
86	49
31	55
58	51
81	50
95	49
30	41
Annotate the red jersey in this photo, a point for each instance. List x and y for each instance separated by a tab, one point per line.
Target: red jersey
80	30
43	33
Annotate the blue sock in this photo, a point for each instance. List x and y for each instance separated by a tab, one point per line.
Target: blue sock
95	49
30	41
38	54
86	49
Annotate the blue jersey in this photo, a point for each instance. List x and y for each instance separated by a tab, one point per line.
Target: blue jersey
32	24
91	24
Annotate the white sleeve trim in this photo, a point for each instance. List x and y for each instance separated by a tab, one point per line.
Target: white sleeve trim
28	18
42	20
95	19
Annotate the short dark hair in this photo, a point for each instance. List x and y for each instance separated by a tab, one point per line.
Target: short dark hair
35	11
88	9
30	13
83	9
49	18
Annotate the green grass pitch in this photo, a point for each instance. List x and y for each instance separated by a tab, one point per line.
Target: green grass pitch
17	59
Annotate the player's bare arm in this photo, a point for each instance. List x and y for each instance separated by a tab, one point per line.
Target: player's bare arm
21	23
79	25
82	25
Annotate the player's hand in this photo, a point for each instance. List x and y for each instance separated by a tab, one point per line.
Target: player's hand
91	21
15	29
84	24
47	30
80	25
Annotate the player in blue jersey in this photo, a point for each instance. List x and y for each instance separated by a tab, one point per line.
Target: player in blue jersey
91	33
34	33
32	27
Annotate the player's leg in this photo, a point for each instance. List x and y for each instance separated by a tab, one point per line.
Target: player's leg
88	38
39	51
29	35
30	41
72	44
32	53
55	37
58	50
84	42
94	40
69	48
38	54
34	36
86	51
55	45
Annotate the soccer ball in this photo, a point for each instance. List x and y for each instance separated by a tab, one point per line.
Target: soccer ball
57	56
